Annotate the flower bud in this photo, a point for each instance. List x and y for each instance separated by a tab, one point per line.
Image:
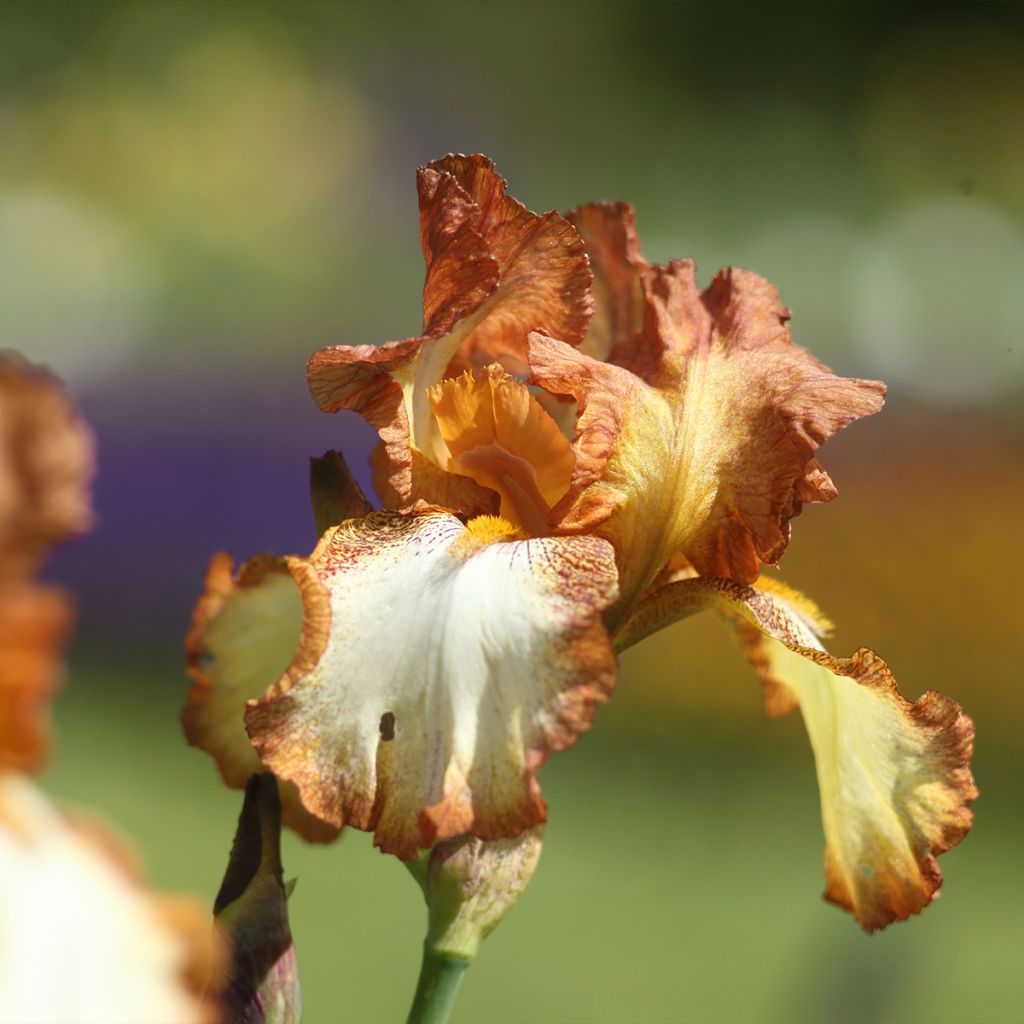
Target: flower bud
470	885
251	907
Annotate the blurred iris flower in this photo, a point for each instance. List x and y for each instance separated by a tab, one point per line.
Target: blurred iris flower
579	449
84	939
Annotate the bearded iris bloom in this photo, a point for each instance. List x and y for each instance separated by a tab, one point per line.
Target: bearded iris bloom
411	676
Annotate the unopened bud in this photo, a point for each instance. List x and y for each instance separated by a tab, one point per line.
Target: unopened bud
251	907
470	885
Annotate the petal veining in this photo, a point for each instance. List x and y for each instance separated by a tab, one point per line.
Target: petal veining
703	441
498	434
495	272
894	776
609	233
450	669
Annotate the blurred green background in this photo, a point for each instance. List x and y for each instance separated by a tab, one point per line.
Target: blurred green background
193	198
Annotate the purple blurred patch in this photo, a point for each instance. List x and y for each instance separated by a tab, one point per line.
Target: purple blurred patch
217	463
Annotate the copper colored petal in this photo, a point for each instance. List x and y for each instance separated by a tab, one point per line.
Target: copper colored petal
703	441
35	622
609	234
46	466
545	278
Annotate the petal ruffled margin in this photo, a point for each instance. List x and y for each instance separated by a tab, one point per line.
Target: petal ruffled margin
35	622
499	435
609	234
46	466
894	776
440	667
708	428
245	631
495	272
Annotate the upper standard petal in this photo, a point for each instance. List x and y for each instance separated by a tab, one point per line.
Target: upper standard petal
495	272
702	441
609	233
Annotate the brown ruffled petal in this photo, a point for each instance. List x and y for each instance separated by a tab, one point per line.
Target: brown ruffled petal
461	269
35	622
245	633
545	278
441	665
703	442
495	272
609	234
46	466
894	776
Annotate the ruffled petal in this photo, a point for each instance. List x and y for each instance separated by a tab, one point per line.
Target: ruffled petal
498	434
440	666
35	622
609	234
703	442
545	277
82	939
495	272
894	776
245	633
46	466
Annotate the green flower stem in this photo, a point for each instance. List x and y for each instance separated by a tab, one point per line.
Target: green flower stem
440	978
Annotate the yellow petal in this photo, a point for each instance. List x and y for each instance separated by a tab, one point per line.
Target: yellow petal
702	441
82	941
894	776
497	433
245	633
438	671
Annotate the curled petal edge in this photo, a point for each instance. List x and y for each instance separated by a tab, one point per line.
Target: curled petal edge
229	662
894	776
426	742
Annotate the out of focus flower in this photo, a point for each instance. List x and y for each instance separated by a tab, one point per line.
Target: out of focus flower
82	939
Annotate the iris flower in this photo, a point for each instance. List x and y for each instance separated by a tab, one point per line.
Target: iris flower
579	449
